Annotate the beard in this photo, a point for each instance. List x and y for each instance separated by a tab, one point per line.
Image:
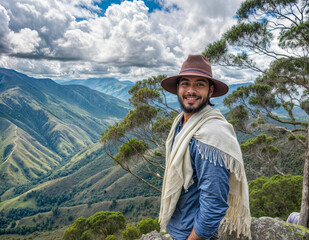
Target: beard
190	109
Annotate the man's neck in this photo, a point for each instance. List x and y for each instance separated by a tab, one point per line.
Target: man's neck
186	117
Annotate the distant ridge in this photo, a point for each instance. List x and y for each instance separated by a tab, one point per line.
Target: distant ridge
119	89
110	86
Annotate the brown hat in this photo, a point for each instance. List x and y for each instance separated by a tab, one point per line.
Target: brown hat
195	65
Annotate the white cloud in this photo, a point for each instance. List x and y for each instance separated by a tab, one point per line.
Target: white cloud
127	42
25	41
4	30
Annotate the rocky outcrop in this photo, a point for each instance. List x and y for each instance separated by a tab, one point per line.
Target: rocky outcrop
264	228
154	235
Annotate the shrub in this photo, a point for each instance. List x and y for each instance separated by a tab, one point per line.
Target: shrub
148	225
131	232
111	237
275	197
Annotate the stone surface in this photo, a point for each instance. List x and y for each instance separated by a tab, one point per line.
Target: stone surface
266	228
154	235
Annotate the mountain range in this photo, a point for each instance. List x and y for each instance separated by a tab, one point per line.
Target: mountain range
50	155
110	86
44	124
119	89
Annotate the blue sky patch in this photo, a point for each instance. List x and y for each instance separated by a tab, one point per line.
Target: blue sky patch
104	4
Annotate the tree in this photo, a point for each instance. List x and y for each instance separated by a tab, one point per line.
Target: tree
137	143
275	197
111	237
282	86
106	223
131	232
76	230
71	233
56	211
148	225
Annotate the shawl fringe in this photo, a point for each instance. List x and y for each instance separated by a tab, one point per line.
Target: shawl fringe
216	156
232	222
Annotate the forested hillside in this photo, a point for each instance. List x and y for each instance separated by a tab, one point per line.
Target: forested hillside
44	123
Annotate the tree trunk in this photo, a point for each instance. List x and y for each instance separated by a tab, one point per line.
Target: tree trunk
304	210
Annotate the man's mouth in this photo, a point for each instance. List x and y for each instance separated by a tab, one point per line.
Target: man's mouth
191	99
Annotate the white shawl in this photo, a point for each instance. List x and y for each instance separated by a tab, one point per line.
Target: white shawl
209	127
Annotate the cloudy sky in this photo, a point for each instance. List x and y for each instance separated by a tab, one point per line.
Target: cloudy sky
128	40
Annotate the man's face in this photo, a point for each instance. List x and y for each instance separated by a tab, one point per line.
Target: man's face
193	93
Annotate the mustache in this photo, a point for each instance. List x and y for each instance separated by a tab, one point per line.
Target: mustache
191	95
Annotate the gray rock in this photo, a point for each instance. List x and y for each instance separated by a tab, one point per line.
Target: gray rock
266	228
154	235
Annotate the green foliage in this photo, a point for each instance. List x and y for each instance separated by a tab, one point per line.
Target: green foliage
275	197
239	116
106	223
162	124
296	36
86	236
215	50
56	212
148	225
143	96
81	224
71	233
111	237
256	32
112	132
99	224
131	232
259	140
251	7
291	137
130	149
113	205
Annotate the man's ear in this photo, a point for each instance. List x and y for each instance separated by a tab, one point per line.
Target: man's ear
211	90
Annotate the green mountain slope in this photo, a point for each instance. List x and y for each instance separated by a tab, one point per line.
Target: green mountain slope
50	156
23	157
44	123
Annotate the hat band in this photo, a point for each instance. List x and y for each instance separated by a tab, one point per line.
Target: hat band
195	70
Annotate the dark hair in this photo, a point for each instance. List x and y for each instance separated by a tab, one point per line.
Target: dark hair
211	83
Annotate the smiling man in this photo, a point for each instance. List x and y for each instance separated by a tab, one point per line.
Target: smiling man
204	180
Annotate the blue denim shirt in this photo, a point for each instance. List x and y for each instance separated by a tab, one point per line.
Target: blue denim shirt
204	205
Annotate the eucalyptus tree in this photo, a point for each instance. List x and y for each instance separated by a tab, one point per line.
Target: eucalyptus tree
137	143
275	33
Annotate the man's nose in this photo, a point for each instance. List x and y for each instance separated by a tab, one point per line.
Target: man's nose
191	89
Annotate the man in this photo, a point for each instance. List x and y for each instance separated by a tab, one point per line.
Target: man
204	179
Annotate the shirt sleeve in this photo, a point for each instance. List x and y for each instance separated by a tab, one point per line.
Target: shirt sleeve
213	186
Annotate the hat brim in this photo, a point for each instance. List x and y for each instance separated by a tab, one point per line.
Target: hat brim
170	84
